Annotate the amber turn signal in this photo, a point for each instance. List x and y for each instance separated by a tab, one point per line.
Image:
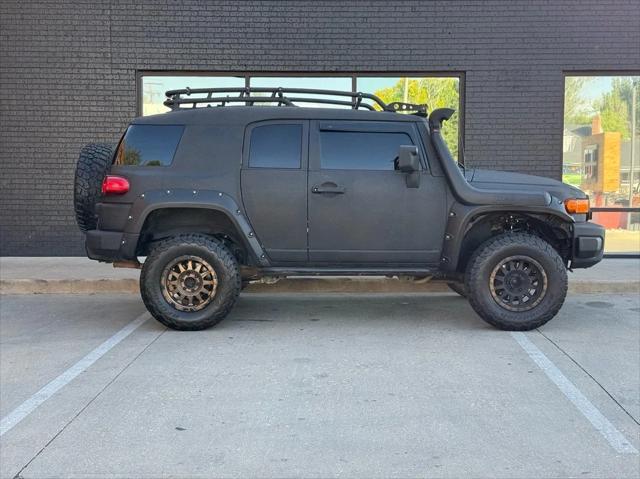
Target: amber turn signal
576	206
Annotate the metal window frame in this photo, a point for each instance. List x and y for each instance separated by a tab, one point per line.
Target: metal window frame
247	75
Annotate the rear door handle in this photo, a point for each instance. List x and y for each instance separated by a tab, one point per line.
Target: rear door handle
320	190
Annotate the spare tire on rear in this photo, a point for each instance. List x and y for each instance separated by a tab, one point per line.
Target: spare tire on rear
95	159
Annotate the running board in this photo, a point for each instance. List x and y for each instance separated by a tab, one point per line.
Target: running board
329	271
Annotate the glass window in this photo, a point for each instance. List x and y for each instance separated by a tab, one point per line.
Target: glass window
316	83
149	145
436	92
346	150
275	146
600	151
154	87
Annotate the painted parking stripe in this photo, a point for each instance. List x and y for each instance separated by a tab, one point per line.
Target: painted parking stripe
588	410
31	404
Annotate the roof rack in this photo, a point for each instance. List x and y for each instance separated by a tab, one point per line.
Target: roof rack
281	96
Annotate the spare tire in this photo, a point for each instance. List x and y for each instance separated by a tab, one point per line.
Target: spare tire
95	159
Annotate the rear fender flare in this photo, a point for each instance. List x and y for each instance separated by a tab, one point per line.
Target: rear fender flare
208	199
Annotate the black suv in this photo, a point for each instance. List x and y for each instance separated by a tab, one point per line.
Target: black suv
256	187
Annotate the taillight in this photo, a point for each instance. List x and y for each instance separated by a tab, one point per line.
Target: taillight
114	185
577	206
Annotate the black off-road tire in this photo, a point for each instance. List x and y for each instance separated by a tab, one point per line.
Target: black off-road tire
209	249
94	160
458	288
489	255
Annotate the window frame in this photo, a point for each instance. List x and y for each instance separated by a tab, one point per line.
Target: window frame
354	75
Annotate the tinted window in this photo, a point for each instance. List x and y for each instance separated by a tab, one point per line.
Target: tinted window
149	145
276	146
345	150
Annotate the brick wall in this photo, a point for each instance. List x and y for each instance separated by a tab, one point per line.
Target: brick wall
68	73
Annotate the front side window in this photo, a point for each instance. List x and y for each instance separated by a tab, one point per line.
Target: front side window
149	145
275	146
348	150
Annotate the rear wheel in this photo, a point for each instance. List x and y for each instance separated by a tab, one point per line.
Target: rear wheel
516	281
190	282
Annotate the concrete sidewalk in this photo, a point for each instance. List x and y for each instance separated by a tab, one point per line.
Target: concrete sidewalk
81	275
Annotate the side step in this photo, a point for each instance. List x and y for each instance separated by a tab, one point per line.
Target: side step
346	271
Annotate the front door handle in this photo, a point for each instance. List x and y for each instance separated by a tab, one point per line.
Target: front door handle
327	189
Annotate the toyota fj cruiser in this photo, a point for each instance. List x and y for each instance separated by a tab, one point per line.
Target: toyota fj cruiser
216	197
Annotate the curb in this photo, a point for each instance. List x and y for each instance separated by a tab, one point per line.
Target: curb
298	285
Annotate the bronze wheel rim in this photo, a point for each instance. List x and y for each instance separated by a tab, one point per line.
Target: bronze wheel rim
189	283
518	283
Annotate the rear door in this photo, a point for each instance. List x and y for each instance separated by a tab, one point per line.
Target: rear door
274	187
360	208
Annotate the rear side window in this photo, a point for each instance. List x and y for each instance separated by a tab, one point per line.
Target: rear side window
149	145
360	150
275	146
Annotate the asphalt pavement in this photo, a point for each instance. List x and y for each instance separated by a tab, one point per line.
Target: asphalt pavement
325	385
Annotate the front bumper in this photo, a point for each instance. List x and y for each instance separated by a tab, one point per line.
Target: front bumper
110	245
588	244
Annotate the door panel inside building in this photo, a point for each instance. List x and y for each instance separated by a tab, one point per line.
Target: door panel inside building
274	187
360	208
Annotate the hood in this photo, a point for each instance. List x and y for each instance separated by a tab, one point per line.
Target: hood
490	179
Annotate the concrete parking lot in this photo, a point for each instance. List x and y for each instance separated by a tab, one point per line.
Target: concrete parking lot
325	385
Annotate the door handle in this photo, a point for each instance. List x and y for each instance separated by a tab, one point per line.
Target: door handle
326	190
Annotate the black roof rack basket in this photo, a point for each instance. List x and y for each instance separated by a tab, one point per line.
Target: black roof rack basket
285	97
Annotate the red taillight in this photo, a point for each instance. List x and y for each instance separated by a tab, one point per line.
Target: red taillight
114	185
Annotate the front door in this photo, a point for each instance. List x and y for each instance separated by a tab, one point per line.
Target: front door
360	208
274	187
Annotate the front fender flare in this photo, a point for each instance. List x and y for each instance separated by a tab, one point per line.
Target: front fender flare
460	216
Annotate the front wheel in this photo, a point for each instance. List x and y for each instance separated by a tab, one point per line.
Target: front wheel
516	281
457	288
190	282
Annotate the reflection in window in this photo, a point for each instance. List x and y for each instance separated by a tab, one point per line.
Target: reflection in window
436	92
344	150
154	88
600	151
149	145
315	83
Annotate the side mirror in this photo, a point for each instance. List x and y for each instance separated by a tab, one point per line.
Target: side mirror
409	162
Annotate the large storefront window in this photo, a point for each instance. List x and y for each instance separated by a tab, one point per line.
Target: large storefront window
315	83
435	91
600	152
154	86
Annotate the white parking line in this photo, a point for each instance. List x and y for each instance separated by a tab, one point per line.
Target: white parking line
27	407
588	410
